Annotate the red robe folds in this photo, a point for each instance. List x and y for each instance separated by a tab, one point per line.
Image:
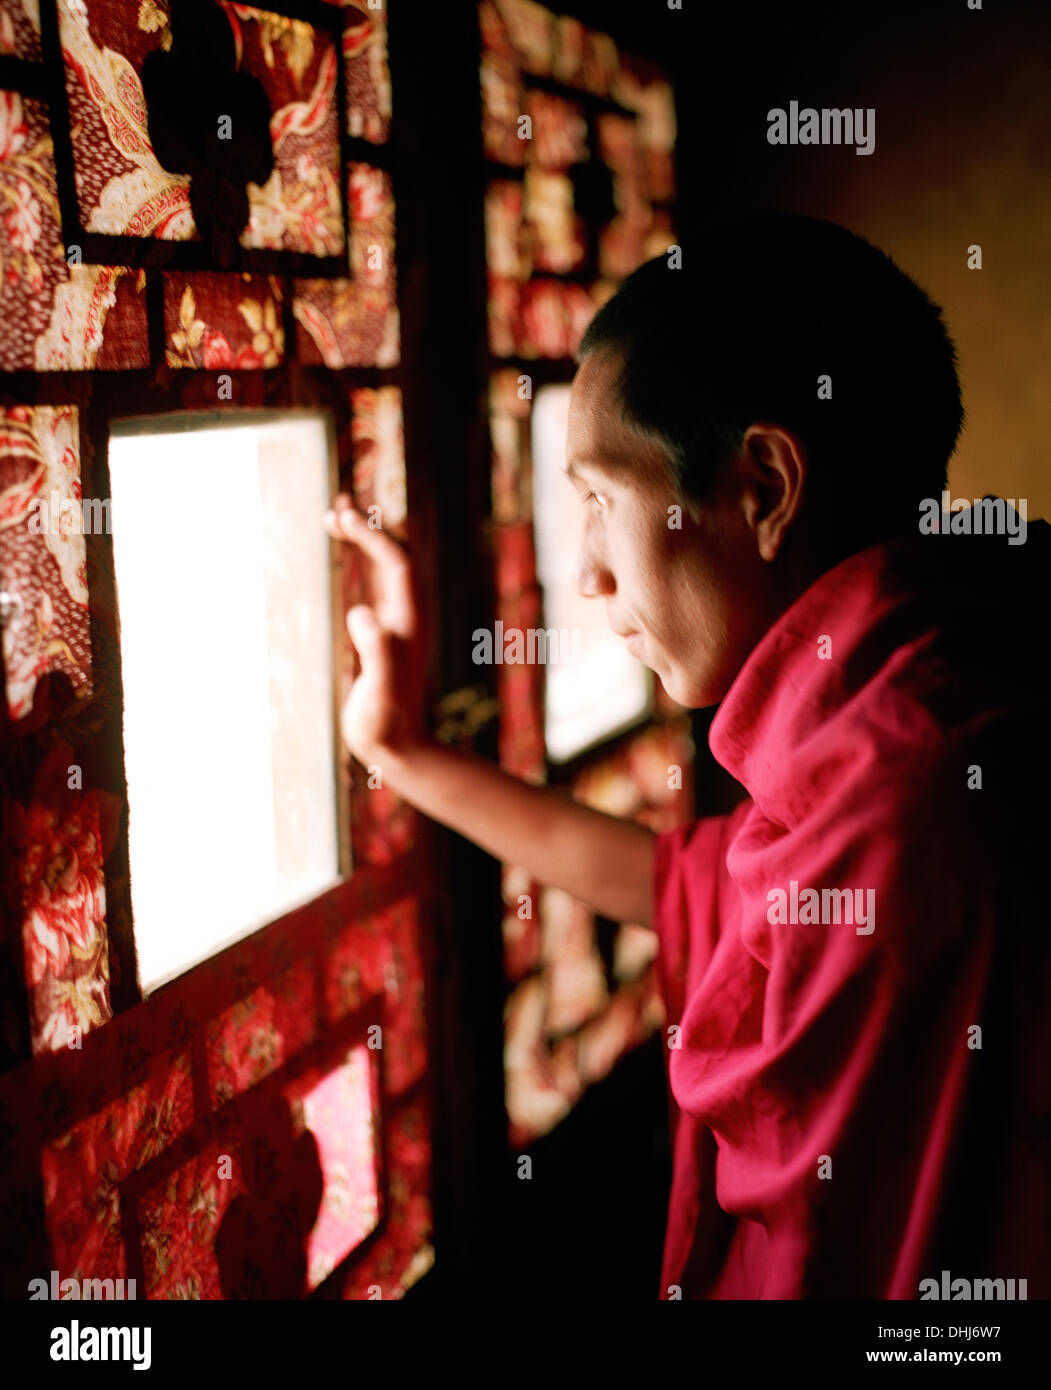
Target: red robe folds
841	1127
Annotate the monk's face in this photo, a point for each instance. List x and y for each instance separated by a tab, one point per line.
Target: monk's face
692	591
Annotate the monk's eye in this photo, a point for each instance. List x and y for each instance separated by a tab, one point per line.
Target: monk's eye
600	497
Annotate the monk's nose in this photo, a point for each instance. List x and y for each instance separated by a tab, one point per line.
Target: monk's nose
593	580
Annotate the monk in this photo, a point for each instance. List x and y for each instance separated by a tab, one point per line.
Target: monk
854	961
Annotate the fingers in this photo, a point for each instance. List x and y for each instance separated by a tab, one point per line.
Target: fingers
371	642
395	608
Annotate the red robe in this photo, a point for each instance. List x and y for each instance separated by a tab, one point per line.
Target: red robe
840	1130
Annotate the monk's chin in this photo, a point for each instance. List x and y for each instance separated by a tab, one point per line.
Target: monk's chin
690	693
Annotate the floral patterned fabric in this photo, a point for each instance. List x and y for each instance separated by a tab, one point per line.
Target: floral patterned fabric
121	187
354	322
510	397
368	76
43	560
149	1132
57	315
58	844
181	1217
207	325
560	130
271	1204
503	97
84	1168
393	1265
556	232
378	444
574	1010
258	1034
263	1175
20	29
542	318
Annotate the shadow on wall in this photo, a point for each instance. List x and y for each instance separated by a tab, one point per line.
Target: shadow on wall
261	1244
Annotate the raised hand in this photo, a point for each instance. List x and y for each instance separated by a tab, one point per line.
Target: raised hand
384	711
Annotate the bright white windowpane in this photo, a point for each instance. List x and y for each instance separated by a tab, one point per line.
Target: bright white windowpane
607	688
224	590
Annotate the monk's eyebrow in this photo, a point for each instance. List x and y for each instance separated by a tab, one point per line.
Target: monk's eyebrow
602	472
573	473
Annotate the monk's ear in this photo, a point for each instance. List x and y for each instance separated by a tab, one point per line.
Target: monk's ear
774	462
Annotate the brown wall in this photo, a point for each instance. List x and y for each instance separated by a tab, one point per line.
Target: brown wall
961	156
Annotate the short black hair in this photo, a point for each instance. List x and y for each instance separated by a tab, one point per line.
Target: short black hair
740	332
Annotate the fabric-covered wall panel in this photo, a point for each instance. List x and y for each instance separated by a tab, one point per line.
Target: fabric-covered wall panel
219	321
20	29
58	315
355	322
368	74
267	1199
126	1106
83	1170
124	188
43	560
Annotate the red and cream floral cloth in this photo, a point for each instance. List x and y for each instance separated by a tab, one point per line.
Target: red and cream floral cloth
860	1106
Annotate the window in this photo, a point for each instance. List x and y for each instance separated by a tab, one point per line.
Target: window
604	688
224	579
